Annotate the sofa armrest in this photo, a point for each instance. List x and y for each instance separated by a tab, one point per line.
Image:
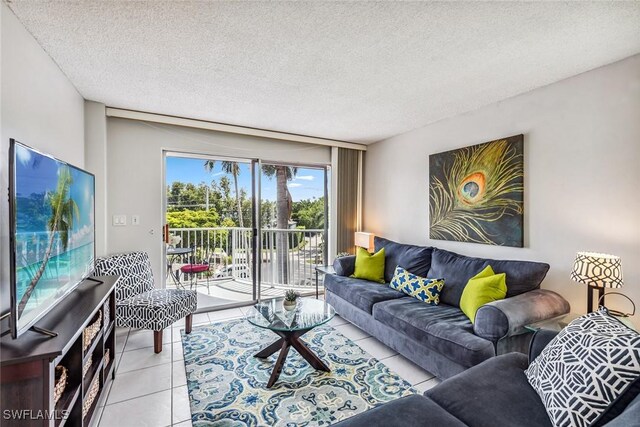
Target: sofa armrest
507	317
345	266
539	341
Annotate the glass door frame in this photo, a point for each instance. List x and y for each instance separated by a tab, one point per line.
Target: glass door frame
256	196
205	156
326	168
256	191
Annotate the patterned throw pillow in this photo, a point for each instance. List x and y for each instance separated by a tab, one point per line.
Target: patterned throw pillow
585	368
426	290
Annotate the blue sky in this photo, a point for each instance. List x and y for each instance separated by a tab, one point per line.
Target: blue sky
307	184
38	174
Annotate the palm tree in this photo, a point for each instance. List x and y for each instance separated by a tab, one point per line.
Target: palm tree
283	209
231	168
63	211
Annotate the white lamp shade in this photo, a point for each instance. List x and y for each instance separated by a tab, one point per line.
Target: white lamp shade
599	270
365	240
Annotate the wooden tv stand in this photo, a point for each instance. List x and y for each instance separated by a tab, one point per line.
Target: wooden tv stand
27	364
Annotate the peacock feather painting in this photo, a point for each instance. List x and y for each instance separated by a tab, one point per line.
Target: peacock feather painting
476	193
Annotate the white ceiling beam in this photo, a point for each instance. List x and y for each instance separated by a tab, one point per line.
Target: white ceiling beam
221	127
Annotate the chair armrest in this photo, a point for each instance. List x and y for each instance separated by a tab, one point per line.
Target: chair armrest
507	317
540	339
345	266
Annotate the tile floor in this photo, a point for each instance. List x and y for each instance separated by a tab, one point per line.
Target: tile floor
150	389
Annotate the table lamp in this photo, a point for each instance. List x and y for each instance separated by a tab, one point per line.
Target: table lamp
597	271
365	240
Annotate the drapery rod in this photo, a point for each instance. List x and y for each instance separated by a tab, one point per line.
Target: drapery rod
221	127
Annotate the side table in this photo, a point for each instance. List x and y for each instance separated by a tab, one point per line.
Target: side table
322	269
559	323
554	324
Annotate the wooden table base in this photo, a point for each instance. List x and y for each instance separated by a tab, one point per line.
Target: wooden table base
290	339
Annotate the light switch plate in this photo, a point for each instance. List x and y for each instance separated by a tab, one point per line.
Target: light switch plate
119	220
135	219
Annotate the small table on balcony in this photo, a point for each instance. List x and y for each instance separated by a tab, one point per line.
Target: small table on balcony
172	254
290	326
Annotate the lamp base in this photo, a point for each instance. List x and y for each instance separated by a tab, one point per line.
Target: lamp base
599	301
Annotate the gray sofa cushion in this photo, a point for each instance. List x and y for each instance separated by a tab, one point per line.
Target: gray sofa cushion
361	293
345	266
622	405
493	394
456	269
522	276
407	411
630	417
540	339
443	328
415	259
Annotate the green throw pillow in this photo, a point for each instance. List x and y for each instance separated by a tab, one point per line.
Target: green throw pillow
481	289
369	266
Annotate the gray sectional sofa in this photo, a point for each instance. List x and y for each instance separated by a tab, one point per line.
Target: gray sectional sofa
495	393
441	339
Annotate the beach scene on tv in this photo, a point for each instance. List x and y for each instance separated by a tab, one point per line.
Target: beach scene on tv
54	230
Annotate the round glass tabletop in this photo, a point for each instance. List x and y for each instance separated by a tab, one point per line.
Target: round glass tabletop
307	314
179	251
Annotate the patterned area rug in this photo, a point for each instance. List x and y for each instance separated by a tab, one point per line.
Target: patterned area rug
227	385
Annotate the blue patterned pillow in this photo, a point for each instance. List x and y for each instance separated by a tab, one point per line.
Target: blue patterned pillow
585	369
426	290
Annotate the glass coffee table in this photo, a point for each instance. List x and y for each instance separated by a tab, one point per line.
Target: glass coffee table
290	326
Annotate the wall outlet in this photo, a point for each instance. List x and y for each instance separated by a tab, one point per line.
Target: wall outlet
119	220
135	219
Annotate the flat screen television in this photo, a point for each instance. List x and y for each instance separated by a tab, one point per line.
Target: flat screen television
51	205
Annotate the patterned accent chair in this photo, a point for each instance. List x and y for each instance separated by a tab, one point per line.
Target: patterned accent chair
138	303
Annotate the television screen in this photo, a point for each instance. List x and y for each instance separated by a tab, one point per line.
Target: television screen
52	232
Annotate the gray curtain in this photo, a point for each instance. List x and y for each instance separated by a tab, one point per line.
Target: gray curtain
347	199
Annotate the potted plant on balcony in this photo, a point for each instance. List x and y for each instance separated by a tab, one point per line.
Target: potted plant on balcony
290	300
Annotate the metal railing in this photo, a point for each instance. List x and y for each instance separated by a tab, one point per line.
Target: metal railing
287	257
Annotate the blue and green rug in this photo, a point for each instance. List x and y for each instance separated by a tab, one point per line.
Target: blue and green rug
227	385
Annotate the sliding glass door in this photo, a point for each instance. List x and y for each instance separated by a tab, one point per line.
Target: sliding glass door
210	221
293	227
241	230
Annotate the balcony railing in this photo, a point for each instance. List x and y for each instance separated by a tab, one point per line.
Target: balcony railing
227	251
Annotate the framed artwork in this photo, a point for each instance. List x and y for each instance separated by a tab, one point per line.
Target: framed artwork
476	193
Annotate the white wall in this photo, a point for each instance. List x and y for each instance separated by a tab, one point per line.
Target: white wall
136	183
40	108
95	153
582	175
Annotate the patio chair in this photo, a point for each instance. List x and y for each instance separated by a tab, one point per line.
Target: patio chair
138	303
193	271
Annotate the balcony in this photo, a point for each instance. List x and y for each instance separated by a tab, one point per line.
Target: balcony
223	258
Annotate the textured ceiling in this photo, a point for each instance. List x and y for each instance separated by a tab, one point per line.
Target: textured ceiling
350	71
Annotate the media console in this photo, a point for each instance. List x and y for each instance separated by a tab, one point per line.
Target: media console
84	347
